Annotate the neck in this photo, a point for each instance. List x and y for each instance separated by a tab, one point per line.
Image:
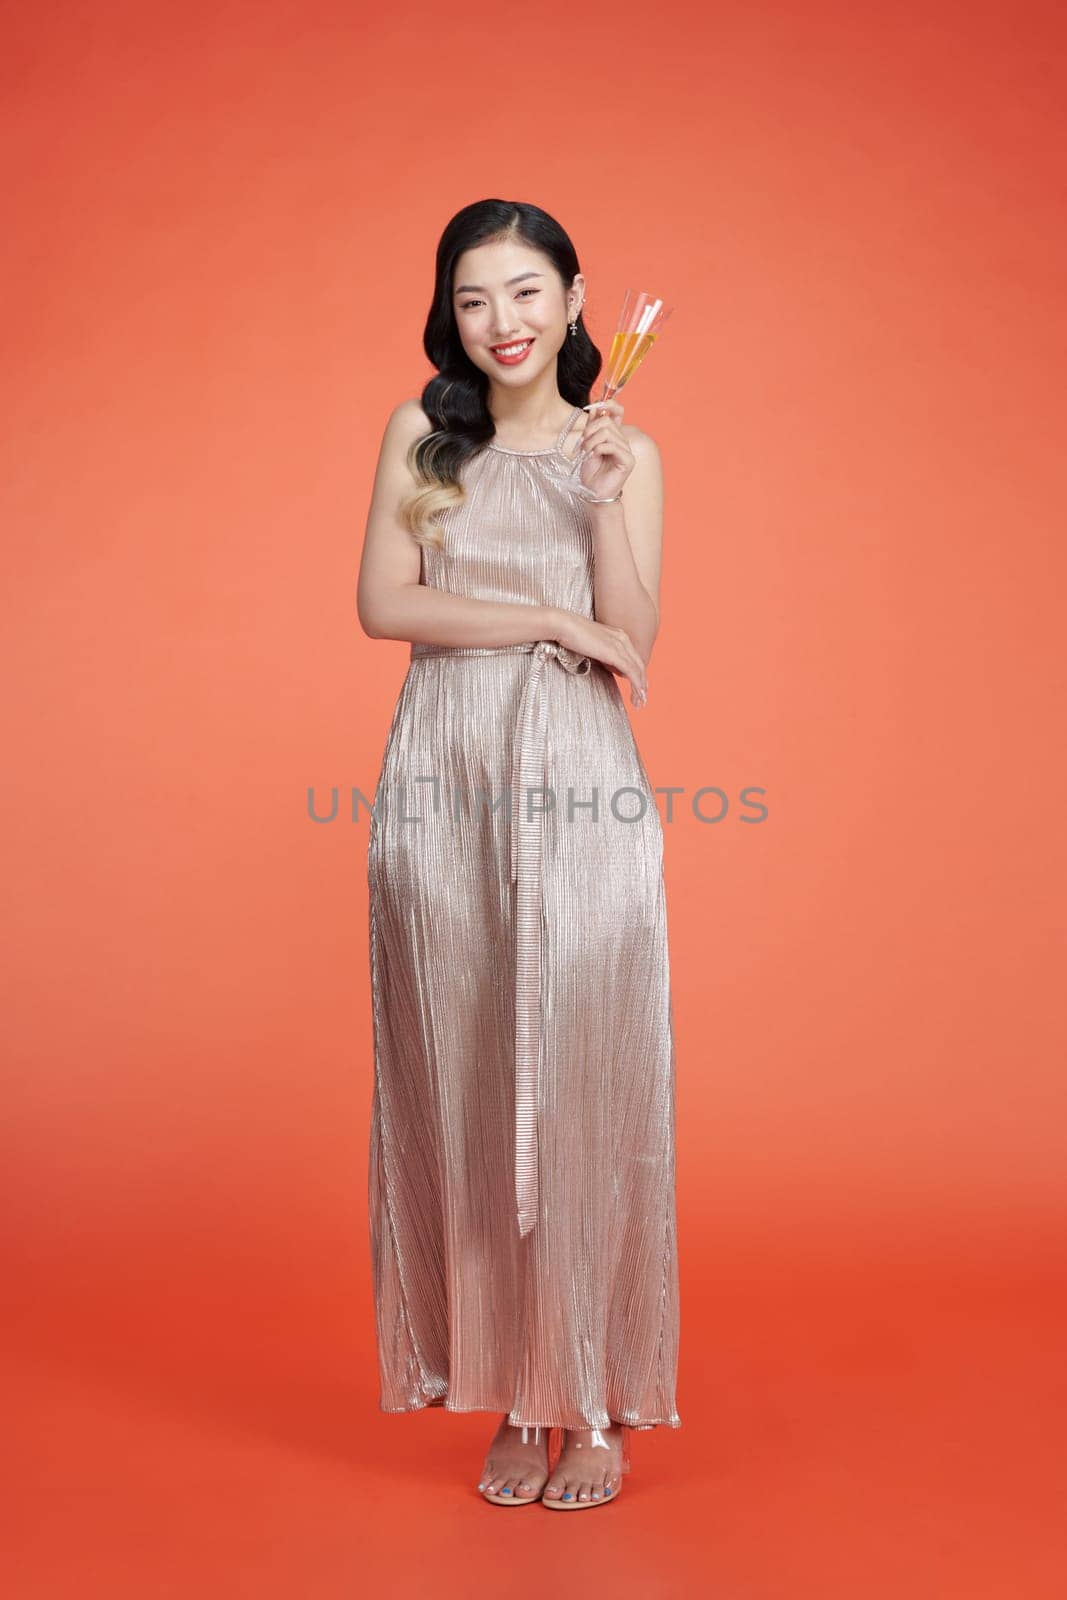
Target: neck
535	409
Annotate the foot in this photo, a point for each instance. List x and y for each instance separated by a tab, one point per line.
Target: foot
589	1468
516	1467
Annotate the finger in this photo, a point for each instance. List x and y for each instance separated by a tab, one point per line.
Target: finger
606	430
608	452
611	438
600	422
634	667
595	430
639	674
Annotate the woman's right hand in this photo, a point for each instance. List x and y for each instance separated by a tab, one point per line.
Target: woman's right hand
613	646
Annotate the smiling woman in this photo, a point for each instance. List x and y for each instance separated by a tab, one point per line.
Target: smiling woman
521	1178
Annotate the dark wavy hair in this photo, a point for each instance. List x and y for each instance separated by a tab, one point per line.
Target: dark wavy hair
456	399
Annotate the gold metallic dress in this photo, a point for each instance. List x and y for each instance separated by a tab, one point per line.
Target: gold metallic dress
521	1174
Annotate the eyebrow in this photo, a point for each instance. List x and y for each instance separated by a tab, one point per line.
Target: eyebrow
479	288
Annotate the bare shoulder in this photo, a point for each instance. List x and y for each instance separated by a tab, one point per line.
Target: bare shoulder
640	442
394	478
648	464
408	421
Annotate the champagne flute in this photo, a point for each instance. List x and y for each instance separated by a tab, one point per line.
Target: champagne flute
639	326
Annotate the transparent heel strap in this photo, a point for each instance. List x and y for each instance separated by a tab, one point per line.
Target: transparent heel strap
597	1441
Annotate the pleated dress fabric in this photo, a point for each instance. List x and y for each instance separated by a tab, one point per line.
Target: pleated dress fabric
522	1156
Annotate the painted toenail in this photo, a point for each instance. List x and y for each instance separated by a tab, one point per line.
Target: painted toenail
505	1491
607	1491
568	1497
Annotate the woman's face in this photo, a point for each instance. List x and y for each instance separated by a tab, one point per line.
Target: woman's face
508	294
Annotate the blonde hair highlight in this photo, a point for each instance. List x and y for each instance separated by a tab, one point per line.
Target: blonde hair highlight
437	493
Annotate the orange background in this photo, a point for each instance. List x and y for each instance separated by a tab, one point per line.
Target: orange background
220	236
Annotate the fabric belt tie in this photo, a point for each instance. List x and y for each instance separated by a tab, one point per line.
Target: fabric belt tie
527	775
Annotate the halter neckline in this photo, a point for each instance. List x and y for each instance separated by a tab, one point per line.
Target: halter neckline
556	448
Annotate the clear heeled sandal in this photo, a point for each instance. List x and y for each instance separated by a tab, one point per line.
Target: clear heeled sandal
530	1435
596	1442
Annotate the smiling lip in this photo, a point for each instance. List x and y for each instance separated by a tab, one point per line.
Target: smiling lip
510	361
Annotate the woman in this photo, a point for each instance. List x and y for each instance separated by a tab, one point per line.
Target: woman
522	1130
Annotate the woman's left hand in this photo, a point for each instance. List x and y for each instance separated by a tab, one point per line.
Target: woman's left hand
607	460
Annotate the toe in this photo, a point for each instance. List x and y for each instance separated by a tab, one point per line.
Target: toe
554	1487
585	1491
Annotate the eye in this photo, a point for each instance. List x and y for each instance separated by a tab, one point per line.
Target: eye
464	304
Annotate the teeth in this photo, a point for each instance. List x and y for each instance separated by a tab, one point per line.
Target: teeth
513	349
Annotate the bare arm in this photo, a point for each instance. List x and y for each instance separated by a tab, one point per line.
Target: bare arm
390	600
627	549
